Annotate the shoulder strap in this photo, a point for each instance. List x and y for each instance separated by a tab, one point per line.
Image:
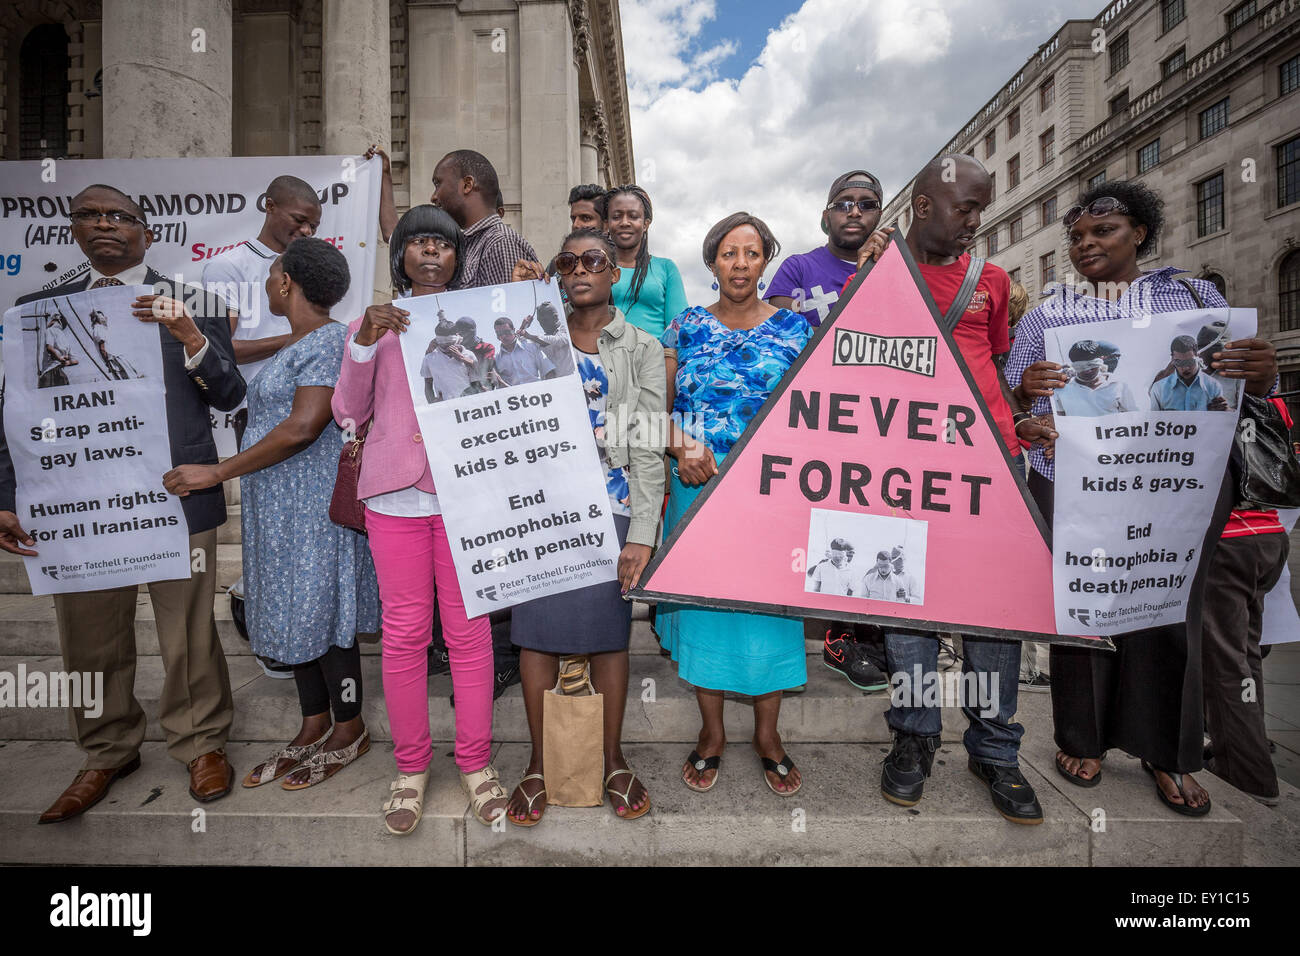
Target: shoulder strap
964	293
1196	296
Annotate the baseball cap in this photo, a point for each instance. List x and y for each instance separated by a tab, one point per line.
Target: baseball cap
855	178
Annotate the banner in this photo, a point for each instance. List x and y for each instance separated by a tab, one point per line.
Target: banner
510	443
86	419
872	486
197	209
1281	617
1145	433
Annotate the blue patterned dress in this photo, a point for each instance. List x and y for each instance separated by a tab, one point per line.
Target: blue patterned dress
309	584
723	378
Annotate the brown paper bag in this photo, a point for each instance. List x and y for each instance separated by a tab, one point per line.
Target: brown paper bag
573	746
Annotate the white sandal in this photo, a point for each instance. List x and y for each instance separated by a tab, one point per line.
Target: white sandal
472	784
406	781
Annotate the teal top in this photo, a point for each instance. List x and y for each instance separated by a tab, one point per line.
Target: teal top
662	296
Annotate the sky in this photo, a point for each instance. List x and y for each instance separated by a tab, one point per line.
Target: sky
760	104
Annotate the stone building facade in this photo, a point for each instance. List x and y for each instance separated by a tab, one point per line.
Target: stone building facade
535	85
1200	99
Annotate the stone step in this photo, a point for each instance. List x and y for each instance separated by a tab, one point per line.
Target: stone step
13	575
837	818
660	706
232	532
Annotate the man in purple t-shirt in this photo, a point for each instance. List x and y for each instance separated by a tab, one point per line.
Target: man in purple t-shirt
810	283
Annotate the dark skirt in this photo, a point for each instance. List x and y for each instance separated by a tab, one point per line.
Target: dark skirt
590	620
1145	697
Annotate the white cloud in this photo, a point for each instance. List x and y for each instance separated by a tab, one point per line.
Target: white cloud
836	86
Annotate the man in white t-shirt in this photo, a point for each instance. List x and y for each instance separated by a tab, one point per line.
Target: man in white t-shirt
1091	391
904	581
238	275
832	574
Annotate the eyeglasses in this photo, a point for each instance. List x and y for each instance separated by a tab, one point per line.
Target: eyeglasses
845	206
422	241
593	260
86	217
1098	207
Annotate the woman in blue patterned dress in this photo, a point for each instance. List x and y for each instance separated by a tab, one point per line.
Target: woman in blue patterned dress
723	363
309	584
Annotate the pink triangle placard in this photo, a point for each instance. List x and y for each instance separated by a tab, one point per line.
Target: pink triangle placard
872	486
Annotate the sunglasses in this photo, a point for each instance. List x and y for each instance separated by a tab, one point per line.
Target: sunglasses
845	206
1097	208
593	260
83	217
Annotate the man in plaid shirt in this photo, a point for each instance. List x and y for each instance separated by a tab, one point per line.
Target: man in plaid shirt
465	185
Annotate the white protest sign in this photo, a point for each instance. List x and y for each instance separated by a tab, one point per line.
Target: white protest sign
1145	433
197	209
510	444
86	420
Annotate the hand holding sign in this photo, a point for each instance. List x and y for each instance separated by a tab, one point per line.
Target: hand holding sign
184	479
1252	359
378	319
12	535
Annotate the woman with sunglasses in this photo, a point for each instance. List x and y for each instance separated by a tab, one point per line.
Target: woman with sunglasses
1145	697
409	540
649	290
623	376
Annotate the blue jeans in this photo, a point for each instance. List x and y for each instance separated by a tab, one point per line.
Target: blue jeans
992	736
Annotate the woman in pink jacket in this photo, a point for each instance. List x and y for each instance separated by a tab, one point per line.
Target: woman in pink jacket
408	538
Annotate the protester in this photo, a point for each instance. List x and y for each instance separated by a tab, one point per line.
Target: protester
409	540
587	207
465	187
622	369
723	361
649	291
96	628
238	276
948	198
309	584
810	282
1145	697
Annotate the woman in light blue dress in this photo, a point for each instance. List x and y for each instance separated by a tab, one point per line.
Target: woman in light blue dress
723	363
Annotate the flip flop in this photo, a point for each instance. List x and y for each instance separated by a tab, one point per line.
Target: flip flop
702	764
528	820
782	770
1177	778
1075	779
626	796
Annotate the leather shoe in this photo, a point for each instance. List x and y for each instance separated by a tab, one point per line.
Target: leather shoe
1013	796
902	778
211	777
86	790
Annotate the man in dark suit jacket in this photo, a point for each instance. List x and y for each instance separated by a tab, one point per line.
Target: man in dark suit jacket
97	628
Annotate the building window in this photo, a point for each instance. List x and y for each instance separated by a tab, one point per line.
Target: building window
990	143
1017	229
1291	383
1174	63
43	93
1289	75
993	243
1240	14
1119	53
1097	180
1214	118
1046	269
1288	289
1047	146
1172	13
1218	282
1288	172
1047	212
1047	93
1209	205
1014	275
1119	104
1013	171
1149	155
993	185
1013	123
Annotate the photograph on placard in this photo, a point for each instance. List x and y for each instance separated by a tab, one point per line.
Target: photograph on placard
877	557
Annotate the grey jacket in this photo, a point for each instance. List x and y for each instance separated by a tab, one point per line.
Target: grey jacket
636	418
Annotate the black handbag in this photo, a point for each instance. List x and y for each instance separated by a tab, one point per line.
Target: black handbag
1269	472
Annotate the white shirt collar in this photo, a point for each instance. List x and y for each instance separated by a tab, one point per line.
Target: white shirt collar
132	276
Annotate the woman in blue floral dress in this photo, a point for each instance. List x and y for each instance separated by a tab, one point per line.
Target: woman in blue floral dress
723	363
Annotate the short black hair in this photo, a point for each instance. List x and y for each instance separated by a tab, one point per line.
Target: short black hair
318	269
1145	207
282	189
503	320
586	232
421	220
591	193
1184	343
469	162
131	203
771	248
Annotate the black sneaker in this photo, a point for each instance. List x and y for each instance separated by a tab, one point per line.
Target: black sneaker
505	675
842	655
439	660
1038	683
902	778
1013	797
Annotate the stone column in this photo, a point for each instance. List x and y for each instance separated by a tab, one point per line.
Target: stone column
355	65
167	78
548	119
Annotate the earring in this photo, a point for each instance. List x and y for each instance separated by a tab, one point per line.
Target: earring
715	283
284	292
761	285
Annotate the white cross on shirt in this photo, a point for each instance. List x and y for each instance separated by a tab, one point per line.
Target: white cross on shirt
821	301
